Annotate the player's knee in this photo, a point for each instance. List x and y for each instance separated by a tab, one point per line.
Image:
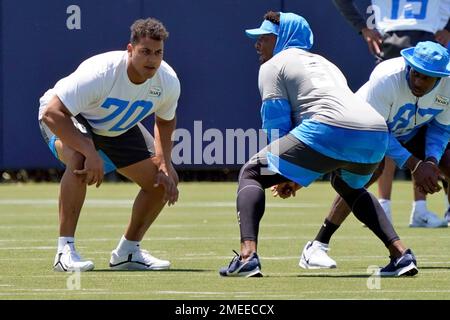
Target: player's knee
73	160
249	171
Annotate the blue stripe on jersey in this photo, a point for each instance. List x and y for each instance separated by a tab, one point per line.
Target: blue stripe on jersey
436	139
358	146
276	115
356	181
302	176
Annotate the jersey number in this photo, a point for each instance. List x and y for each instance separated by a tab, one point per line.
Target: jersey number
404	115
408	10
126	121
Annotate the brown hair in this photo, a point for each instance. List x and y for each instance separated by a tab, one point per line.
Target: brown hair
150	28
273	17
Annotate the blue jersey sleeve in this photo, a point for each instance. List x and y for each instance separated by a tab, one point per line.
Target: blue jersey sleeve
276	118
397	152
436	139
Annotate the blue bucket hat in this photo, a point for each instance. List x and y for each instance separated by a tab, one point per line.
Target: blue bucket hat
266	27
428	58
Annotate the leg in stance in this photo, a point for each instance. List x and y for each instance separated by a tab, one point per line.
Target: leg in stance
314	254
250	210
444	165
146	208
71	199
367	209
385	186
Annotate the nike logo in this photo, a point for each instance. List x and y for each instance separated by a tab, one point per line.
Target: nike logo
398	261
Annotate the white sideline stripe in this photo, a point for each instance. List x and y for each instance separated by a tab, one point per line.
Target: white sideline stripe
127	203
299	238
213	274
232	294
160	225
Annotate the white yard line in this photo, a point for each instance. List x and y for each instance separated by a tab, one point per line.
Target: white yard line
128	203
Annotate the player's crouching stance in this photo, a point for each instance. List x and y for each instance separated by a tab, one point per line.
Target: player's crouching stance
91	122
325	128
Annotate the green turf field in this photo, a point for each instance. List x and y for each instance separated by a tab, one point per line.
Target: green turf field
197	236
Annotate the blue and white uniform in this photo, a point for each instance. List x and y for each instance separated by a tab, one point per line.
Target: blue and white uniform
388	92
307	96
106	104
398	15
102	93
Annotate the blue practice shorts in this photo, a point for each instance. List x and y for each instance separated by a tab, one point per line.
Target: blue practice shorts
296	161
132	146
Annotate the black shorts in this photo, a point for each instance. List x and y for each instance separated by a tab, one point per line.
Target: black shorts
395	41
132	146
417	144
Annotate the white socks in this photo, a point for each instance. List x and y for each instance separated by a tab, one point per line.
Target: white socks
385	204
62	241
126	246
419	206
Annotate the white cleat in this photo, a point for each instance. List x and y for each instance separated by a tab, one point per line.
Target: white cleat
314	256
447	216
427	219
69	260
137	260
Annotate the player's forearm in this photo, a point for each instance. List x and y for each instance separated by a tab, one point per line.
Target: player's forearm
59	121
163	139
351	13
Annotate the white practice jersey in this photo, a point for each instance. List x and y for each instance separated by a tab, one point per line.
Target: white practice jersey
425	15
102	93
388	92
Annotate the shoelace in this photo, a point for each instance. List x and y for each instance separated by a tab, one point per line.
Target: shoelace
237	256
146	255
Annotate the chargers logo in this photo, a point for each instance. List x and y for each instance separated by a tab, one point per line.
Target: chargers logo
155	91
441	100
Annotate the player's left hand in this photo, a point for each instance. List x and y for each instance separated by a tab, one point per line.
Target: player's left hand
173	174
170	189
285	189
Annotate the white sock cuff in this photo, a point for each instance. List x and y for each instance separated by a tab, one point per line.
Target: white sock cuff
126	246
420	205
387	201
62	241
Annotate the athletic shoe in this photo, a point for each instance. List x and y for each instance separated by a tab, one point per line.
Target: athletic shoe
314	256
238	268
447	216
69	260
137	260
427	220
406	265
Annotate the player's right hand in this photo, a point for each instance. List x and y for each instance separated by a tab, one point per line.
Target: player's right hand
426	177
285	189
93	170
373	39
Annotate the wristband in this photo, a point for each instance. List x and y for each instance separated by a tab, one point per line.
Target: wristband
416	167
